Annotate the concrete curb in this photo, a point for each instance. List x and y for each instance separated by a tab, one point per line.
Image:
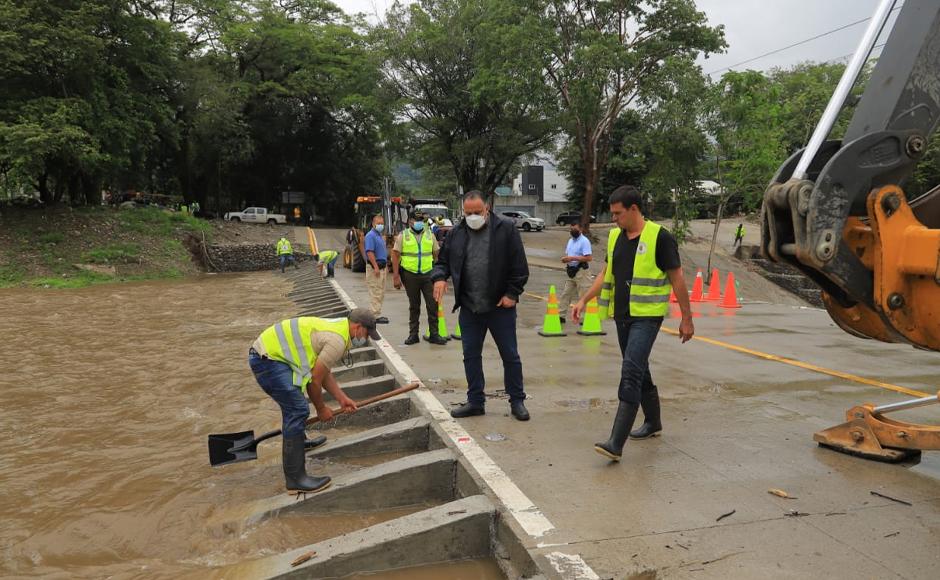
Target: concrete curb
407	435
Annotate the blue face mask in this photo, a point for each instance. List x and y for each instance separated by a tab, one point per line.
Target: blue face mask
380	228
418	226
358	342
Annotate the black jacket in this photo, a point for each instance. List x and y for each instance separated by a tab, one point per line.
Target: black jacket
509	269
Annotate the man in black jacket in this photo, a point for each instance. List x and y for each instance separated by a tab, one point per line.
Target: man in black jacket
485	258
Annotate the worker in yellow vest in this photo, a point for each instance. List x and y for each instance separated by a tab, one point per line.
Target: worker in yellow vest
326	260
643	267
413	256
294	358
285	252
738	235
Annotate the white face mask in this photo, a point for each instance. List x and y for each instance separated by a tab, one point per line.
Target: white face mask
475	222
358	342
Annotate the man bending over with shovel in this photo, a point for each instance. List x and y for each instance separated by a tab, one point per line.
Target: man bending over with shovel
294	357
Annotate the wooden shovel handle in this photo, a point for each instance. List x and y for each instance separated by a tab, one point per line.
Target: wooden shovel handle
370	400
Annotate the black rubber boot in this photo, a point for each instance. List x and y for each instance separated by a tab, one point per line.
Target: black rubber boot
437	339
623	422
652	423
315	442
412	339
295	472
467	410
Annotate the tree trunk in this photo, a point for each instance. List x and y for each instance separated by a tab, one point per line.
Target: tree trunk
45	195
590	186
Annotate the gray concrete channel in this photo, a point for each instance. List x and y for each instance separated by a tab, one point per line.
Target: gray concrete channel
464	520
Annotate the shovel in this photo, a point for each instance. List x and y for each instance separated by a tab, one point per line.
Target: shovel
226	448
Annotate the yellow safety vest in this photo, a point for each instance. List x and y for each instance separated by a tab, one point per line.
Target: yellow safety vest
650	287
328	256
417	258
288	341
283	247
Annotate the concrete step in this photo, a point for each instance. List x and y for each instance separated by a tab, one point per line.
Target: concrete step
382	413
457	530
359	371
365	388
412	480
408	435
363	354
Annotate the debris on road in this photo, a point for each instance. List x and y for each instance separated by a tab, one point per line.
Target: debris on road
302	558
495	437
902	501
781	493
723	516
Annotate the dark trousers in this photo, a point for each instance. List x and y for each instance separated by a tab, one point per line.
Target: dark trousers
636	337
276	379
417	285
501	322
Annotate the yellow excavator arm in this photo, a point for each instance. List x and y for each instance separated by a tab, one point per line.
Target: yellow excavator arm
837	211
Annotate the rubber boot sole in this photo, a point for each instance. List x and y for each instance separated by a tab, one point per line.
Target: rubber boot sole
642	437
303	491
606	453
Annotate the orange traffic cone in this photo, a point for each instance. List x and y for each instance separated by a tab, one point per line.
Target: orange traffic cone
731	295
714	287
552	321
697	288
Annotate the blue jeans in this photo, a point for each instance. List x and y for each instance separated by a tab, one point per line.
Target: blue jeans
501	322
636	338
330	268
286	258
276	379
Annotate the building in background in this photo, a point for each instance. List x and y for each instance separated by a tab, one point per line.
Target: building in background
540	190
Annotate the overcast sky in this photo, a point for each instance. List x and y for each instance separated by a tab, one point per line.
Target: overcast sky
755	27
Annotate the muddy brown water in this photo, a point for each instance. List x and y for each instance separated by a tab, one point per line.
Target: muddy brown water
108	394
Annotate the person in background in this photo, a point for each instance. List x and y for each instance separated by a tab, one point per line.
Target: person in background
485	259
285	252
326	260
413	256
577	259
738	235
377	257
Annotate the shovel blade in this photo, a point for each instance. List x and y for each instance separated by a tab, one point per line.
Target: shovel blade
226	448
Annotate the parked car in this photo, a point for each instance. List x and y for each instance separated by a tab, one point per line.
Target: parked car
256	215
571	217
525	221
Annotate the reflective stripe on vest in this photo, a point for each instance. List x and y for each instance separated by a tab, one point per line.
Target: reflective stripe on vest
650	287
288	341
283	247
417	258
328	256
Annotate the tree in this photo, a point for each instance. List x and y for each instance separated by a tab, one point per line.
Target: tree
599	57
466	105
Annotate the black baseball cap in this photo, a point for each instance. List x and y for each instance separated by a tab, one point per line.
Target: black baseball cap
365	317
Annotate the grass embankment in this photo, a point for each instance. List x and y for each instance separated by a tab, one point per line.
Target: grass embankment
72	248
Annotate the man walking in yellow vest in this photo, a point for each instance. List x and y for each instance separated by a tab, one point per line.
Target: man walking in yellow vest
285	253
413	256
643	267
294	357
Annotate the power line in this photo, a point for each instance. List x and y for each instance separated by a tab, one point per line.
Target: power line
795	44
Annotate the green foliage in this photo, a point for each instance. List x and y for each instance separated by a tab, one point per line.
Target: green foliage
601	56
51	238
11	275
80	279
113	254
154	221
467	107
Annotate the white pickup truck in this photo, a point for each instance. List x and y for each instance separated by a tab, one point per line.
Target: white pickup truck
256	215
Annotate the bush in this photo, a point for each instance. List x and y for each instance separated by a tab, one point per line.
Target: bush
113	254
52	238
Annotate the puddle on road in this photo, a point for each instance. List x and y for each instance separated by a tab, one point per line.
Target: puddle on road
483	569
